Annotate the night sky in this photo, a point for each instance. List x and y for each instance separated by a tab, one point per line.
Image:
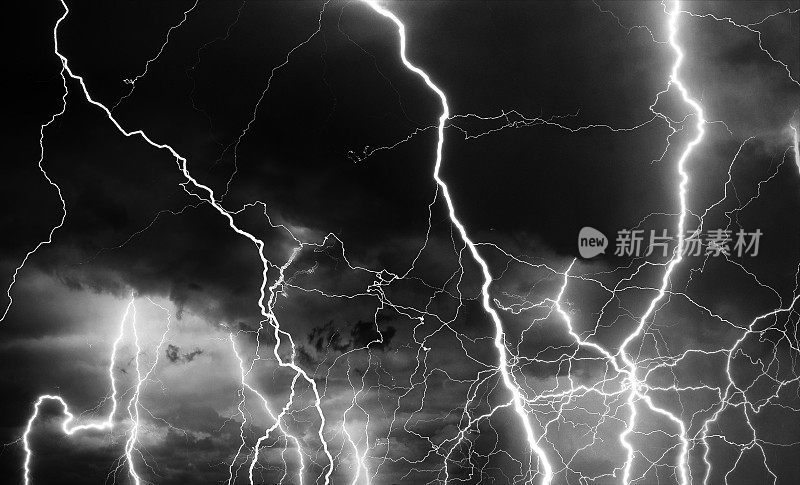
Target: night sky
292	299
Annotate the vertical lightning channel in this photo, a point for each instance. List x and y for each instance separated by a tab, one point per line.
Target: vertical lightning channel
134	407
69	430
499	339
796	147
677	256
130	444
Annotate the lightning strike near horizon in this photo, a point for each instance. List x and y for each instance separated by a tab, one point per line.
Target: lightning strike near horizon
670	266
447	335
133	406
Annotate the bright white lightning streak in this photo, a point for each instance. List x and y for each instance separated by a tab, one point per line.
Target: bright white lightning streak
358	456
60	223
674	261
266	309
276	425
499	339
105	424
141	381
796	147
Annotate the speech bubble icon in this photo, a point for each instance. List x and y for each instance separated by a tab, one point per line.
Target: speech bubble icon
591	242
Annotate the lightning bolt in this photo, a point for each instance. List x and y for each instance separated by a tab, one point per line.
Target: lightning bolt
133	406
499	338
796	146
677	256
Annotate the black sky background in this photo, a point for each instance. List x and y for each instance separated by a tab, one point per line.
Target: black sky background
131	227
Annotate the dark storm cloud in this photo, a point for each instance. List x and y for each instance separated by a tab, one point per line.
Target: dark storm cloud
174	354
362	334
327	337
